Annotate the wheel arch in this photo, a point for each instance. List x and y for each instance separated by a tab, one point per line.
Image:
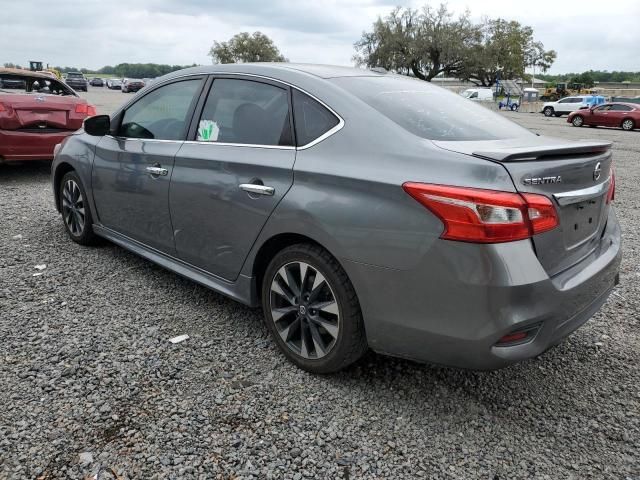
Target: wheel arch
61	170
271	247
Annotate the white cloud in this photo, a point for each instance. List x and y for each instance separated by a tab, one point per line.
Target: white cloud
93	33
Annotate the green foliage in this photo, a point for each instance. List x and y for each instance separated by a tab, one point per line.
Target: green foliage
594	76
423	43
245	47
431	42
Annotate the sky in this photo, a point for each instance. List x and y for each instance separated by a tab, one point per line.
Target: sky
93	33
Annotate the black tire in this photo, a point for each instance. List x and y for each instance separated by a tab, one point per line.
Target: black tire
577	121
548	111
349	343
628	124
84	235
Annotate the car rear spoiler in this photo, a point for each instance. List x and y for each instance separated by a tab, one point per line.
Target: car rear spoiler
548	152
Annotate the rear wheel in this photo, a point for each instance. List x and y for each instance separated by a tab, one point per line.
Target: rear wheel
312	310
548	111
577	121
76	213
628	124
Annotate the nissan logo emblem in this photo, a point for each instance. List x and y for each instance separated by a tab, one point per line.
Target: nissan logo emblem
597	172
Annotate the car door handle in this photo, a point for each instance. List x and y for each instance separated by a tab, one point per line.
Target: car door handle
257	189
158	171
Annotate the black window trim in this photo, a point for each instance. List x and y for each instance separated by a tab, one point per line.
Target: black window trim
268	80
116	119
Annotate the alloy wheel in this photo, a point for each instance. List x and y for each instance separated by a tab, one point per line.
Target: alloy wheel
577	121
73	208
627	124
304	310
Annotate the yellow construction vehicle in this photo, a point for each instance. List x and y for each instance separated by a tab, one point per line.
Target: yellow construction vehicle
36	66
564	89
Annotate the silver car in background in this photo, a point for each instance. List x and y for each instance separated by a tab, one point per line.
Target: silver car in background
360	209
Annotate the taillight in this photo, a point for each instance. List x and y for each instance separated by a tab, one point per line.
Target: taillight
88	110
611	194
485	216
2	109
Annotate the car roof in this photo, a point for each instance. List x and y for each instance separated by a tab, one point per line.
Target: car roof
287	72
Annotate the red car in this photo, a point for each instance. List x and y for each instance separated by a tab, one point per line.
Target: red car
617	114
34	118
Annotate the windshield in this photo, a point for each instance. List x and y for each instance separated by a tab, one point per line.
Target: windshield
428	111
74	75
467	93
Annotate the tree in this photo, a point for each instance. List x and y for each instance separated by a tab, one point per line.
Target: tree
244	47
504	48
537	57
424	43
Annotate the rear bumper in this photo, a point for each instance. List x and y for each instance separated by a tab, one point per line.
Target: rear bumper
454	307
16	145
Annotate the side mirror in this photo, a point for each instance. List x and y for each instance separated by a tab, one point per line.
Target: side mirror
98	125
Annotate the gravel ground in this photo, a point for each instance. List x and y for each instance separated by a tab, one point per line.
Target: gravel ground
88	377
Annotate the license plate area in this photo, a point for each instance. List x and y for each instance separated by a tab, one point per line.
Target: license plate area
581	221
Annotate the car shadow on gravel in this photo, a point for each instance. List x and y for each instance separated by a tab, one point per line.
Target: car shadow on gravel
24	171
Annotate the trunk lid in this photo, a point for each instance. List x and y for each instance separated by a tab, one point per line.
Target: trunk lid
40	112
574	175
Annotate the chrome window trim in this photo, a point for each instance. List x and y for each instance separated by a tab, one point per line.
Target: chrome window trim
132	139
577	196
252	145
314	142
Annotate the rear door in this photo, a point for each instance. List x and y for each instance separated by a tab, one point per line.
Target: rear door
576	176
565	105
618	113
132	168
231	174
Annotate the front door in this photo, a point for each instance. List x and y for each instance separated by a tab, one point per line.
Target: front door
230	177
600	115
132	168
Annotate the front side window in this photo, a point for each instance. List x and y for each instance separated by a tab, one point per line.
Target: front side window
312	119
161	114
245	112
603	108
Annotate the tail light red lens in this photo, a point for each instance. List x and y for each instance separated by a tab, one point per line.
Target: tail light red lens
2	109
82	108
91	110
485	216
611	194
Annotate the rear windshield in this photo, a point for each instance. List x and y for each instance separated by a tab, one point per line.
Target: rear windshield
33	85
430	112
75	75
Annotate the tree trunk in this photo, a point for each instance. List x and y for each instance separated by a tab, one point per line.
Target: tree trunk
416	71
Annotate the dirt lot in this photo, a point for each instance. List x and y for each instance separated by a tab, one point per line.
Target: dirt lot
89	379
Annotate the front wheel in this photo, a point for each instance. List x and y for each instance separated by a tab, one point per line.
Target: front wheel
548	111
627	124
577	121
312	310
76	212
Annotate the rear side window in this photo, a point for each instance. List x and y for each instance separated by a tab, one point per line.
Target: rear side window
162	113
428	111
245	112
312	119
621	108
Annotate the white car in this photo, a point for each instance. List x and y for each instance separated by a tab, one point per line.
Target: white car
478	94
565	105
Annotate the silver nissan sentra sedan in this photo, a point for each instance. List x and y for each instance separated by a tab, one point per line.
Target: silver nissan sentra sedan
360	209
